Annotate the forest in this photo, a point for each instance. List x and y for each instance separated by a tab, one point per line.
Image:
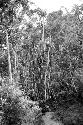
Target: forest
41	64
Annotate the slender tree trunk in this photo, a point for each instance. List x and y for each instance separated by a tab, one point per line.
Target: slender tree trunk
43	31
45	85
47	75
16	75
46	70
15	60
48	66
9	60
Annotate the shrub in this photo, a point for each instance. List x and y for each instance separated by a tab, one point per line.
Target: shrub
32	111
12	112
69	116
17	109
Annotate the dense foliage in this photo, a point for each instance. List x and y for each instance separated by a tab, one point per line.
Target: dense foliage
41	56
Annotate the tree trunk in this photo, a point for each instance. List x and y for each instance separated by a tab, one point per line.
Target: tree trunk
48	67
46	70
9	60
45	85
15	60
43	31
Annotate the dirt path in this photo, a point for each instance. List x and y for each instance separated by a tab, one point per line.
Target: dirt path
48	121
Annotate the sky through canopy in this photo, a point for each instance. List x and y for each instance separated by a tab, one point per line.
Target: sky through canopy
53	5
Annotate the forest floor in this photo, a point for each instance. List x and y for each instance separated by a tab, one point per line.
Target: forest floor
47	118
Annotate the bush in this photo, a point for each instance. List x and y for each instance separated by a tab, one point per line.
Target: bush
17	109
12	112
70	116
32	111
